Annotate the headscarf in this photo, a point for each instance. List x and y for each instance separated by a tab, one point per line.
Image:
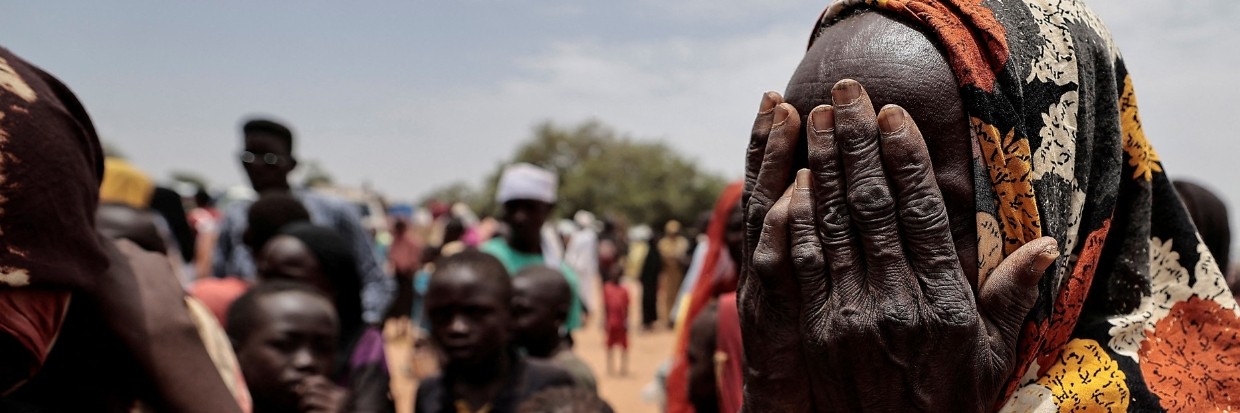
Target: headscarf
336	259
718	276
1135	315
125	184
50	167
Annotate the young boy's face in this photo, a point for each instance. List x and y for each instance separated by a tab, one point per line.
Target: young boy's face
469	316
534	311
293	338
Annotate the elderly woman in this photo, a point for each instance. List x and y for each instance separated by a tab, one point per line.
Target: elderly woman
86	324
998	235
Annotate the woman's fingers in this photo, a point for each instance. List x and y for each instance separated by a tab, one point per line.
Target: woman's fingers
776	169
754	155
775	378
869	198
757	140
830	193
923	220
1008	295
809	265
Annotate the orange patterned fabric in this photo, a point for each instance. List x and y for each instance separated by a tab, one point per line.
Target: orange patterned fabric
1135	315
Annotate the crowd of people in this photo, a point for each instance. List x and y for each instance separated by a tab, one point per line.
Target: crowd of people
1005	239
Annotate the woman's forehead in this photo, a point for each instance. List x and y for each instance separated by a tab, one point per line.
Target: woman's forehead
896	63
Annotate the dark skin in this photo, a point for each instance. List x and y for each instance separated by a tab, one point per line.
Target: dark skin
525	218
470	316
858	289
289	353
540	301
265	177
702	339
287	258
735	234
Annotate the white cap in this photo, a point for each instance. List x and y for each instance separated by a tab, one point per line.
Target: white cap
525	181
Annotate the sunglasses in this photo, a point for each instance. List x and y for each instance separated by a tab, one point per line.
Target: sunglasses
249	158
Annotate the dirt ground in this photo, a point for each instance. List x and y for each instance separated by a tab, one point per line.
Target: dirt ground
647	350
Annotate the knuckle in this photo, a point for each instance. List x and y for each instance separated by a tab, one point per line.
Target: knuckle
766	261
924	214
871	200
807	258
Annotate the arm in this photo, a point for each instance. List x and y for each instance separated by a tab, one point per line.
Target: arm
142	302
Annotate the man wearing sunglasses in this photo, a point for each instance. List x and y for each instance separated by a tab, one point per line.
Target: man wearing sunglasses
268	159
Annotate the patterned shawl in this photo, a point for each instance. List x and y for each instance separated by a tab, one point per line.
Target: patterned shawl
1135	315
717	276
50	167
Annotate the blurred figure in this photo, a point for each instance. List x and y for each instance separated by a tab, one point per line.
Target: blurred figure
616	314
320	257
175	224
612	249
204	218
672	248
122	327
285	335
469	302
703	393
528	194
540	304
565	400
267	158
717	277
265	218
1209	214
405	259
651	265
582	255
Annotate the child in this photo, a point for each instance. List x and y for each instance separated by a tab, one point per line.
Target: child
616	303
469	302
540	307
285	334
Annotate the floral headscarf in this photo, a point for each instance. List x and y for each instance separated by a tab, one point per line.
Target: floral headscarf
1135	315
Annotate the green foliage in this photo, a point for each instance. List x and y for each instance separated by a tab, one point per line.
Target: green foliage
459	192
611	175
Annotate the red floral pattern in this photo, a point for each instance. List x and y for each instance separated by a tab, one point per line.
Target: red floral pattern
1191	361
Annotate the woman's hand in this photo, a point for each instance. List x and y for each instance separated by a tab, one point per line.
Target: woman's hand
320	395
861	248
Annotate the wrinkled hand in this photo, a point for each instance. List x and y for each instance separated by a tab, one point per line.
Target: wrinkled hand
861	249
320	395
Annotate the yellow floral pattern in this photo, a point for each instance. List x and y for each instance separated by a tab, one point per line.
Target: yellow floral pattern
1085	379
1007	159
1141	154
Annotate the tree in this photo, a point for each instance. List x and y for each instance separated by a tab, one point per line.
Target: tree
458	192
613	175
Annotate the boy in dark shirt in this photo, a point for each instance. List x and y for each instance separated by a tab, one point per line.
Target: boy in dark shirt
469	303
285	334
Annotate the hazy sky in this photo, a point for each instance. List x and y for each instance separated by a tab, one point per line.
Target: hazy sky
411	95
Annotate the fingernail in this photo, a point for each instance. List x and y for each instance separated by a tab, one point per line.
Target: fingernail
802	179
781	114
845	91
823	118
768	102
891	118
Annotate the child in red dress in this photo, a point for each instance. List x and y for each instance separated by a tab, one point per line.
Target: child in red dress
616	304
